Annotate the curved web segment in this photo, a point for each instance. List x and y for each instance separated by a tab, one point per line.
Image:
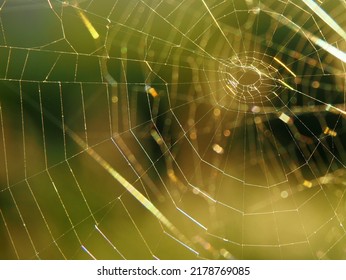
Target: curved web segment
172	129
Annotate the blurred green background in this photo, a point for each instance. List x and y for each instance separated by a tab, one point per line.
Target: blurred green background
226	171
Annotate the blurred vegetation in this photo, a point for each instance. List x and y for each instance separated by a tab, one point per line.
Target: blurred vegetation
250	195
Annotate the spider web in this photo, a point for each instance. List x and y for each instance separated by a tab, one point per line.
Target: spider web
172	129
